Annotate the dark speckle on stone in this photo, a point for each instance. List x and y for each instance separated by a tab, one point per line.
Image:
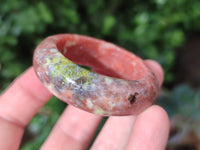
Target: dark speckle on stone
81	80
132	97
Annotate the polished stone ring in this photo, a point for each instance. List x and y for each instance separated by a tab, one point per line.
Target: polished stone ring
119	83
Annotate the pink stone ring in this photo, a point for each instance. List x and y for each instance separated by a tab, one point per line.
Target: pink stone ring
119	84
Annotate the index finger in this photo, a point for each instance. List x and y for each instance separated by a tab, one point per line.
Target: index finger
25	96
18	104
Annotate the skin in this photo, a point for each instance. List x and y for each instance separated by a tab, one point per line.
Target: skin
21	101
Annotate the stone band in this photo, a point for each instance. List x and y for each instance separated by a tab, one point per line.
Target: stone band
130	90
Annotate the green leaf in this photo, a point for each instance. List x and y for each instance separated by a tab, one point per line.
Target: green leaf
108	23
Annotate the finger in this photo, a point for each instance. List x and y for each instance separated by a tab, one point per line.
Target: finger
10	135
74	130
121	127
157	70
150	130
18	104
115	134
65	133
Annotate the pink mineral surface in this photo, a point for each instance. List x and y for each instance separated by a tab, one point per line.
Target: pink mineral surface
120	84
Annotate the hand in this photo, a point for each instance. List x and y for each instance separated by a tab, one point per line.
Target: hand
75	128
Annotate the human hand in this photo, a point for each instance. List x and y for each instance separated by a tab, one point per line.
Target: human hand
75	128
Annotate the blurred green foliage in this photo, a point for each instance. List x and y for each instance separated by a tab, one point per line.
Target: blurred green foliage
183	107
182	99
41	125
152	29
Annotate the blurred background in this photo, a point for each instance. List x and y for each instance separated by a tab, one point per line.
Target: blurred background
167	31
